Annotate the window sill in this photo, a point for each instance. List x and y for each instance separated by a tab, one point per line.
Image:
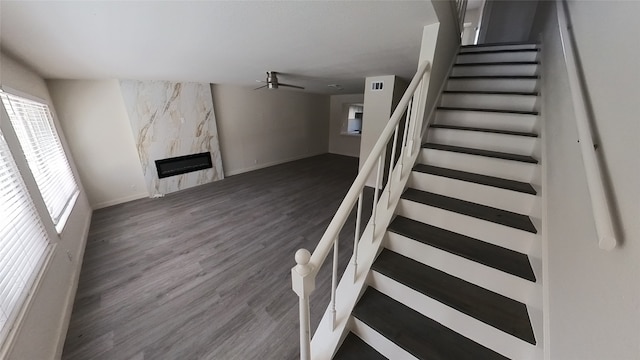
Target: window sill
67	212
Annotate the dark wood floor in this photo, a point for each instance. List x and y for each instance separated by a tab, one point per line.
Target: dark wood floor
205	273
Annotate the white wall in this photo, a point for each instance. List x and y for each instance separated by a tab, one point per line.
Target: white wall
260	128
593	295
43	328
97	127
339	143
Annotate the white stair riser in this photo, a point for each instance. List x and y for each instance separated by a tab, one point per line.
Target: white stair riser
498	47
491	101
506	169
487	231
512	144
493	70
509	200
483	119
457	321
521	85
498	57
484	276
377	341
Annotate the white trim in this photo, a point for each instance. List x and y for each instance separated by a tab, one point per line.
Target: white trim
271	163
120	200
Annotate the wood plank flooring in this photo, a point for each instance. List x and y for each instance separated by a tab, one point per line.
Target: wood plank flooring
205	273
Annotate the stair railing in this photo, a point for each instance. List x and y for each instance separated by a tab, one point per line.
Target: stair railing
600	206
305	272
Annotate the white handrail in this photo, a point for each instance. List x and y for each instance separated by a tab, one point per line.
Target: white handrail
304	273
600	206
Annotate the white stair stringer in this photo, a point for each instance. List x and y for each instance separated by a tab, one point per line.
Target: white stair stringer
514	201
492	84
507	143
491	47
457	321
488	120
506	169
380	343
511	69
507	237
490	101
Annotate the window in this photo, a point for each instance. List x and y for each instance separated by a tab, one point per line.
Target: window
23	241
41	146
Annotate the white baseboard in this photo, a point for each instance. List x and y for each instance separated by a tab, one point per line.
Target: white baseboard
121	200
267	164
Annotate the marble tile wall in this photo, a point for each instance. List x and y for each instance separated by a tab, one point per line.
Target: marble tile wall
171	119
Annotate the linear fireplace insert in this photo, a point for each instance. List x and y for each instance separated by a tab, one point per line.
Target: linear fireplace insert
183	164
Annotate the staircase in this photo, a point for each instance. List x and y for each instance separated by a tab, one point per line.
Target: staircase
459	272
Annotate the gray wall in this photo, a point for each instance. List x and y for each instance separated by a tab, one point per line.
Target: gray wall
507	21
95	121
260	128
593	296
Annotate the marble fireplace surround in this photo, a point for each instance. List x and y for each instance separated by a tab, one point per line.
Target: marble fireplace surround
171	119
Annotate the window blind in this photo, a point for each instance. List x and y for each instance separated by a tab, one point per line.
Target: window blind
41	145
23	240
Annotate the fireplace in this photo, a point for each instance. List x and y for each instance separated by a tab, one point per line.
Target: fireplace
183	164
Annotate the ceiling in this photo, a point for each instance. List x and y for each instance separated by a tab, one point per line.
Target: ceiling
312	43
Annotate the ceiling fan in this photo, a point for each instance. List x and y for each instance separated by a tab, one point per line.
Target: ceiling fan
272	82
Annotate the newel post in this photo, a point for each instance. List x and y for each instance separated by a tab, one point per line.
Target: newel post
303	283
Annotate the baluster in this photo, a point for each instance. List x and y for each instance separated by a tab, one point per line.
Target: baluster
405	135
393	157
334	283
303	284
356	238
376	195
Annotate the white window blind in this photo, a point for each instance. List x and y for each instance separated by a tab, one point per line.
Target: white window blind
23	241
41	146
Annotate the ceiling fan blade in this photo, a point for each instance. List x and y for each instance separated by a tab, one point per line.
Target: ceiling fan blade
292	86
263	86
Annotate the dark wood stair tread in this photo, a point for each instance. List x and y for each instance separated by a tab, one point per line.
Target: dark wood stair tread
424	338
509	77
513	185
499	63
480	152
479	92
506	111
489	307
509	261
354	348
483	212
493	131
498	51
508	43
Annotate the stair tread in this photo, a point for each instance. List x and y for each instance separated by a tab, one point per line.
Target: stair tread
480	152
354	348
501	183
510	77
498	51
417	334
506	260
499	63
497	310
493	131
483	212
512	43
524	93
523	112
